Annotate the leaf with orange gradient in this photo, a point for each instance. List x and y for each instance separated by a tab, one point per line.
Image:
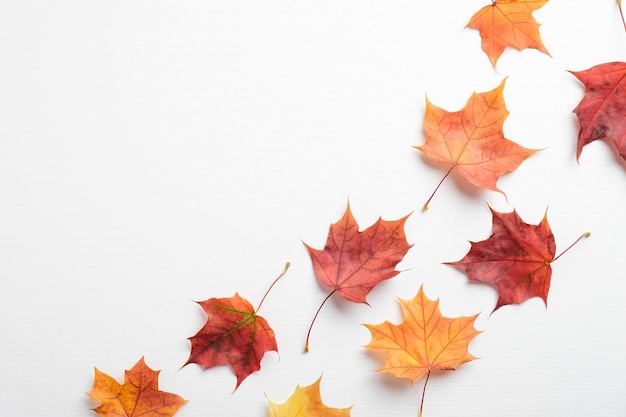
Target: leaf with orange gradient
353	262
138	396
471	140
233	334
602	111
425	341
306	402
508	23
516	259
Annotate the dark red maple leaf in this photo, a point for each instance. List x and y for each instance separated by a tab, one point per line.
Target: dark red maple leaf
233	335
516	259
353	262
602	111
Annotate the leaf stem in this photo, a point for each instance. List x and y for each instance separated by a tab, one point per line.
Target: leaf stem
586	234
287	265
425	206
308	334
424	393
621	12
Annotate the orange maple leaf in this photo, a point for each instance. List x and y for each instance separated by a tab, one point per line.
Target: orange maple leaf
306	402
138	396
425	341
472	140
508	23
354	262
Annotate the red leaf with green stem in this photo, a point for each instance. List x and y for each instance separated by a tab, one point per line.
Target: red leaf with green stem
234	334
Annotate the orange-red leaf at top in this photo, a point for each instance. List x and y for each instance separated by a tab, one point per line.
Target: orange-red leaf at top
353	262
306	402
138	396
425	341
508	23
602	111
471	140
516	259
232	335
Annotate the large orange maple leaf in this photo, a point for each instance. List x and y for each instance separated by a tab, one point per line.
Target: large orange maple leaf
306	402
602	111
353	262
472	141
138	396
233	334
425	341
508	23
516	259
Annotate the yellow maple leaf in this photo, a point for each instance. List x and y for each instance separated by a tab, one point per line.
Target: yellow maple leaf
306	402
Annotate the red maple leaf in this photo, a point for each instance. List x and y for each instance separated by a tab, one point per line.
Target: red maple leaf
138	396
353	262
233	335
602	111
516	259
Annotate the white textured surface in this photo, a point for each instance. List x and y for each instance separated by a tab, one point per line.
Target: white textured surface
153	153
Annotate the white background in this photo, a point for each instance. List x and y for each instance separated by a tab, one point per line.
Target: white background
154	153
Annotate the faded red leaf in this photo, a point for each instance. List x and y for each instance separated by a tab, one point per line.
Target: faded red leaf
471	140
602	111
138	396
516	259
506	23
306	402
425	341
234	334
353	262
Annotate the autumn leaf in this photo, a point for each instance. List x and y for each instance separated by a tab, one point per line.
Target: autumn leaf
516	259
234	334
138	396
602	111
306	402
472	141
353	262
508	23
425	341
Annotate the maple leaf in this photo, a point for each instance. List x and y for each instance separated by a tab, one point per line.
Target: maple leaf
353	262
602	111
234	334
425	341
516	259
138	396
472	141
508	23
306	402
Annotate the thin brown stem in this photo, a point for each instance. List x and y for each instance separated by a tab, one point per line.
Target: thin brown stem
586	234
425	206
308	334
287	265
424	393
621	12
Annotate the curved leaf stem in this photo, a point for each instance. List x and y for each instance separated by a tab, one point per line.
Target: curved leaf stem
308	334
621	12
425	206
586	234
423	394
287	265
